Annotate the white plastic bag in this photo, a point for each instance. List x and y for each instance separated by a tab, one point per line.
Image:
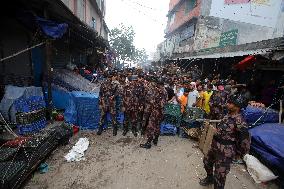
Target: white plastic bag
259	172
77	152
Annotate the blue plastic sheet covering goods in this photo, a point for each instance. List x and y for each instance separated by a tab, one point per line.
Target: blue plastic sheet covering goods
14	93
51	28
83	110
268	144
60	98
252	114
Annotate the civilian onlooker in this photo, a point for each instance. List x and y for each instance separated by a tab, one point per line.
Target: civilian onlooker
207	95
199	102
182	100
193	95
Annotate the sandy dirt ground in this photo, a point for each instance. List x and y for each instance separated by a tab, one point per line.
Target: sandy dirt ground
119	163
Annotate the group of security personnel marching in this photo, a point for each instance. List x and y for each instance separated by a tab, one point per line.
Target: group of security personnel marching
143	101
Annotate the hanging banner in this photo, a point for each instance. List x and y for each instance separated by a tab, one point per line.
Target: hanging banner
236	1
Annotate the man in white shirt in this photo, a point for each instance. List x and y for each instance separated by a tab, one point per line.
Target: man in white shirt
193	95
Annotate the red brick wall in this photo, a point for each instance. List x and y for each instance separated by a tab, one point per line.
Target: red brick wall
181	17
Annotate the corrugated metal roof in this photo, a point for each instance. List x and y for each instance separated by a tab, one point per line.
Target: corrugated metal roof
231	54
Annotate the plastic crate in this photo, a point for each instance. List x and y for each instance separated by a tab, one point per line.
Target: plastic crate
173	110
32	127
173	120
168	129
29	104
193	113
30	117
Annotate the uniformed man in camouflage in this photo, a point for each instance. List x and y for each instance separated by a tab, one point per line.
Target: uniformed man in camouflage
130	105
108	93
141	93
218	104
156	116
231	139
149	91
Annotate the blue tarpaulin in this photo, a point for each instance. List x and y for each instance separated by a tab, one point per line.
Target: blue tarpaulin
51	28
268	145
252	114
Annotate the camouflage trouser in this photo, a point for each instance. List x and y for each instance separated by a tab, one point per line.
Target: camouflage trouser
155	120
146	116
130	117
219	156
103	117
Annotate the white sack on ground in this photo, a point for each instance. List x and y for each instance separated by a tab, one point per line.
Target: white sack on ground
77	151
259	172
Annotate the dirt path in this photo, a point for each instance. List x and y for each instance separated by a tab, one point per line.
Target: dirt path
118	163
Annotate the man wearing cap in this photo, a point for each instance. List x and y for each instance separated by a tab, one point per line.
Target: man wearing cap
231	138
156	116
108	93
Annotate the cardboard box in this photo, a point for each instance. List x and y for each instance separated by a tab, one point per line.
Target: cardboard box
206	138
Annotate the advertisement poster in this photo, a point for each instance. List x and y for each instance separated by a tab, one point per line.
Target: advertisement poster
257	12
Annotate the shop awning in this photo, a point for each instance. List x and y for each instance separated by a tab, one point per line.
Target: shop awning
231	54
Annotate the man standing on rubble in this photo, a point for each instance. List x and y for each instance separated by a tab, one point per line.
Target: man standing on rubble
156	116
230	139
108	93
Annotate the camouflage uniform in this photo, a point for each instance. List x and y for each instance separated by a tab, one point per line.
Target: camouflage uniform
149	95
108	92
225	145
140	94
217	103
156	116
130	106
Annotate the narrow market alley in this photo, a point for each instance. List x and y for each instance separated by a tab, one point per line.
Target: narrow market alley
118	162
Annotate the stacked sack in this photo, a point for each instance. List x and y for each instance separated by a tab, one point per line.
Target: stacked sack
30	115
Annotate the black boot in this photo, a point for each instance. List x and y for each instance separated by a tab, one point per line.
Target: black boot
134	131
207	181
114	132
100	131
147	145
125	130
155	141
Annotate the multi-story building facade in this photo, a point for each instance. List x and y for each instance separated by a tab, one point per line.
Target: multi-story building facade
92	12
198	26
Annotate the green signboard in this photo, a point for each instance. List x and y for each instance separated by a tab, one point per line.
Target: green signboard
228	38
